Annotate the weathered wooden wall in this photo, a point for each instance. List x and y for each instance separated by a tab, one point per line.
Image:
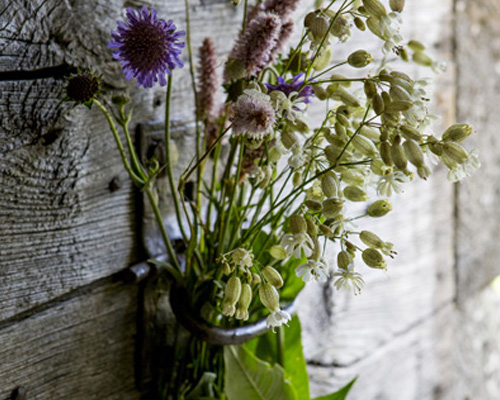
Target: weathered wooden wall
427	330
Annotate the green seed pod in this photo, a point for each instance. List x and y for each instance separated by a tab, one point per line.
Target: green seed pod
350	248
348	99
397	5
325	230
255	279
313	205
378	104
323	60
364	146
359	59
312	230
410	133
297	179
385	153
423	59
456	152
342	119
319	27
359	24
414	153
374	259
457	133
424	172
319	92
332	207
398	155
387	98
226	268
398	106
375	8
231	296
269	297
329	185
297	224
371	239
415	45
370	88
332	153
272	276
278	253
379	208
354	193
289	139
273	155
344	260
244	302
398	93
370	133
309	19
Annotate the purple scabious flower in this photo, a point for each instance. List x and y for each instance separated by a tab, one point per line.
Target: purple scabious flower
147	47
294	86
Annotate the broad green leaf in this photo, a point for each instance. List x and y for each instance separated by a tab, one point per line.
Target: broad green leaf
204	389
340	394
293	284
265	347
248	378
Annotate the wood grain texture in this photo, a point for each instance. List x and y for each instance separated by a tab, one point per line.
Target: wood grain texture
81	348
478	96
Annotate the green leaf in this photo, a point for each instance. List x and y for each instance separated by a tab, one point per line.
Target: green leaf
248	378
293	284
340	394
265	348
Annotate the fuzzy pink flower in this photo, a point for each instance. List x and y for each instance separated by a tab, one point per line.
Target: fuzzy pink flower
208	81
253	49
285	34
283	8
254	115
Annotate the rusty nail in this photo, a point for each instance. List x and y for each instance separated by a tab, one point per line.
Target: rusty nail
19	393
138	272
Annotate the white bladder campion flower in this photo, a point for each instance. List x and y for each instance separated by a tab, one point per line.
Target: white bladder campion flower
270	299
313	270
295	243
347	279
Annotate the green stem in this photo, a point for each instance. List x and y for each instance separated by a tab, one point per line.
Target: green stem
280	346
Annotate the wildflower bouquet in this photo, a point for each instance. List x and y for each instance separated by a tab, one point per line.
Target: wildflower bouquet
276	194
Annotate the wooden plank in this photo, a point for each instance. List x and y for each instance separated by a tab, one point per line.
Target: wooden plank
478	95
81	348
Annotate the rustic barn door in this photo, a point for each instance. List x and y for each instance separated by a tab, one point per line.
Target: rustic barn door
70	221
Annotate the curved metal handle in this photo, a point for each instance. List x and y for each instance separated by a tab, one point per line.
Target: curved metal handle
212	334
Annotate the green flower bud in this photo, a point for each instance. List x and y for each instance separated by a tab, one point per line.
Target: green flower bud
255	279
364	146
375	8
414	153
398	93
397	154
351	248
380	168
348	99
313	205
378	104
342	119
325	230
120	100
231	296
359	24
272	276
273	155
319	92
398	106
226	268
244	302
269	297
297	224
420	58
373	259
397	5
456	152
332	153
278	252
424	172
344	259
379	208
354	193
373	241
410	133
319	26
329	185
370	88
415	45
385	153
370	133
289	139
457	133
297	179
332	207
323	60
312	230
359	59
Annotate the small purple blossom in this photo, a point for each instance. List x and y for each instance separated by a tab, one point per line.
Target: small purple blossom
295	85
147	47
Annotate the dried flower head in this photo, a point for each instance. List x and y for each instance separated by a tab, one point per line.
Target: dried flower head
254	49
208	81
254	115
147	47
82	88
